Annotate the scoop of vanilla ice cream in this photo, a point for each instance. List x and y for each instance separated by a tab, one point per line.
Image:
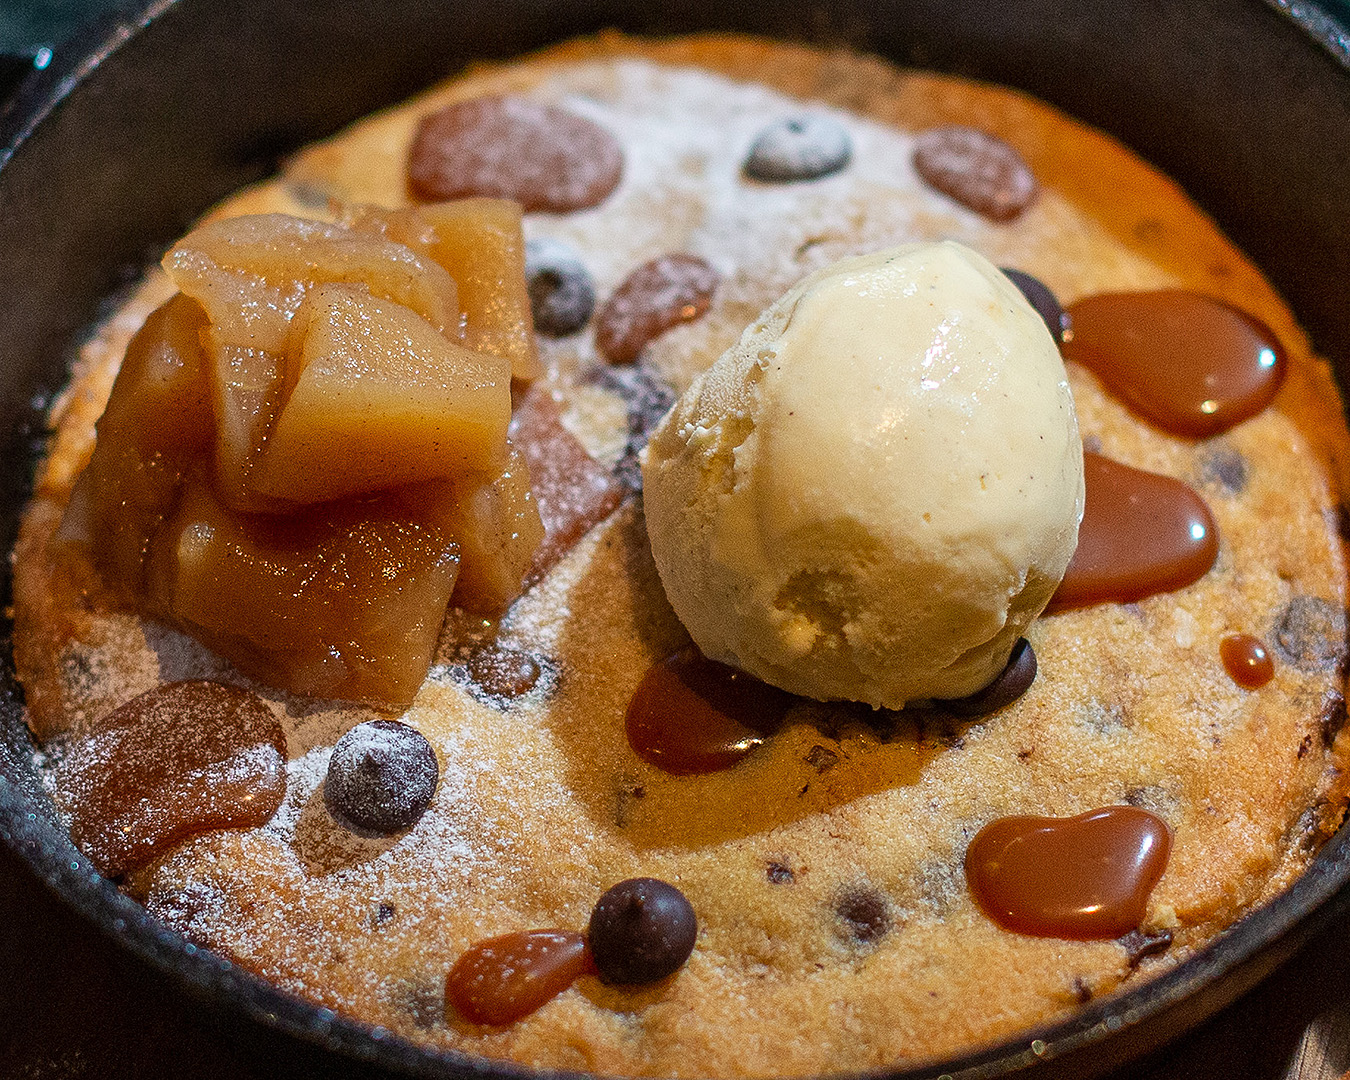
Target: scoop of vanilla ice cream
874	492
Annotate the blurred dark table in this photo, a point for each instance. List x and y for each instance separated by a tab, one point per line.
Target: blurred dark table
74	1006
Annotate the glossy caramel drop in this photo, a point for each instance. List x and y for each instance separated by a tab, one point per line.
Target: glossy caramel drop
1186	362
1085	878
1246	660
1142	534
693	715
504	979
181	759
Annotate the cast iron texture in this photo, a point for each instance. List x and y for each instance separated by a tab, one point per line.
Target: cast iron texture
129	134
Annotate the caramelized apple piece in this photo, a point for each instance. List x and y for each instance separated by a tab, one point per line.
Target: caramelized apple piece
496	522
245	391
156	425
479	241
251	274
343	600
177	761
376	399
573	490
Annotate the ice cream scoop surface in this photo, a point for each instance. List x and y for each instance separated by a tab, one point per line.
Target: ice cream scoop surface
873	493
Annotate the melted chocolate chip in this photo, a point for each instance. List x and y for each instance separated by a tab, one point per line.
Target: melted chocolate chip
1139	946
1310	634
821	758
502	673
779	873
562	292
1009	685
542	156
976	169
641	930
648	399
381	776
799	148
657	296
863	913
1224	468
1331	718
1040	297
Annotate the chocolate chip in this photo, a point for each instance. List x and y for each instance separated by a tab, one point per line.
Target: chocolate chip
381	776
657	296
976	169
799	148
1224	468
1082	993
821	758
780	873
500	673
1310	634
1009	685
384	912
1040	297
544	157
641	930
1139	946
562	293
648	399
1331	718
863	914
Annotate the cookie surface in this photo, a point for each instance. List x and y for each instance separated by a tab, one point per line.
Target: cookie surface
836	930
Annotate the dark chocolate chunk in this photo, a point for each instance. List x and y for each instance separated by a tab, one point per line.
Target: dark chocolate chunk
863	913
544	157
821	758
657	296
562	292
1310	634
381	776
799	148
648	399
1139	946
1010	684
1040	297
641	930
502	673
1332	717
1224	468
779	873
976	169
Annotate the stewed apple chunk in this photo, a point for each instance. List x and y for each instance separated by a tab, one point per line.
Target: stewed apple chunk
496	521
479	241
251	274
343	600
156	426
373	394
303	444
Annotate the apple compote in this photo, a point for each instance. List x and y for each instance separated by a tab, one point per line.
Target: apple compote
304	458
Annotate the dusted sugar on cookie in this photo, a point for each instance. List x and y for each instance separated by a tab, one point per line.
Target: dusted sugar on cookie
499	873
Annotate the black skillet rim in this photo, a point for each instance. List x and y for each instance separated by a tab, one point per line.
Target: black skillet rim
1099	1036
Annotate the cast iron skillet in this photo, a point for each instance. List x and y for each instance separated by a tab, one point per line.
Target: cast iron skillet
127	136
